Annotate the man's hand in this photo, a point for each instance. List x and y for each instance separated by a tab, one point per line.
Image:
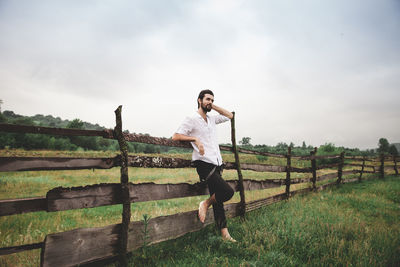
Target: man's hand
200	146
181	137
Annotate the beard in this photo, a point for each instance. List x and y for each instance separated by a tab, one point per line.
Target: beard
206	108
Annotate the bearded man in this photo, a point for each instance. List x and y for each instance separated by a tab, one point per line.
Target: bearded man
200	130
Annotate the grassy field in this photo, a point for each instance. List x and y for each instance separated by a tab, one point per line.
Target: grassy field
351	225
33	227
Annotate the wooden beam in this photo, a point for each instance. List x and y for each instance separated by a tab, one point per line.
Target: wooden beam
262	167
17	249
327	176
351	172
360	165
327	166
124	189
266	201
360	158
11	164
238	168
13	128
81	246
91	196
340	168
18	206
288	167
107	194
158	162
313	168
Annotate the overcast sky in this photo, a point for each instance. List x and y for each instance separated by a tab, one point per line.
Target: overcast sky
294	71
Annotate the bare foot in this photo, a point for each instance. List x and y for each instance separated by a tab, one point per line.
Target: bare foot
202	211
228	238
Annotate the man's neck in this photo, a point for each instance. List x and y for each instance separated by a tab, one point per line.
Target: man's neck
202	113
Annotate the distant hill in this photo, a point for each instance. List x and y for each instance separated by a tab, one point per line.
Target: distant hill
37	141
46	121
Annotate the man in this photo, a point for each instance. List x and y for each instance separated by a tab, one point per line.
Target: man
200	130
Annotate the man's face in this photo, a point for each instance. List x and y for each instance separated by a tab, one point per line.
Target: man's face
206	102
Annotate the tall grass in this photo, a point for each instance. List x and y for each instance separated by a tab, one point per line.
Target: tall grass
351	225
33	227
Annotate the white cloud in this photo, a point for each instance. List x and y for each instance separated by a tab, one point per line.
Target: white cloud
311	71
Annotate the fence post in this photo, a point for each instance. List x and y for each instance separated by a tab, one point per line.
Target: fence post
362	169
288	167
242	208
395	165
126	204
314	168
340	168
382	168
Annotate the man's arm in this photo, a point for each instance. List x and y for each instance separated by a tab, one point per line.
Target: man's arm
182	137
222	111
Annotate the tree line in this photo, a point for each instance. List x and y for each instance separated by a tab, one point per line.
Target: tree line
52	142
30	141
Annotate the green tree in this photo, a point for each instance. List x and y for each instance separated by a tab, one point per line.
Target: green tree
245	141
327	148
85	142
383	145
3	118
393	150
75	124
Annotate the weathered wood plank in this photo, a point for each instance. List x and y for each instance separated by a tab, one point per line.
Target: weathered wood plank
262	167
18	206
238	167
147	139
288	167
313	168
266	201
81	246
301	170
371	159
158	162
300	180
327	176
350	180
13	128
368	171
360	165
124	191
351	172
9	164
17	249
107	194
317	157
327	166
91	196
247	151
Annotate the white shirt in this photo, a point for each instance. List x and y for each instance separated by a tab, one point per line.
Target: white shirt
207	133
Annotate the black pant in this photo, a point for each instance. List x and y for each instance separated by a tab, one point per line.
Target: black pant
216	185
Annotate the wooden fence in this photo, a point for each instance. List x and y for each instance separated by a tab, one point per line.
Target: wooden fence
88	245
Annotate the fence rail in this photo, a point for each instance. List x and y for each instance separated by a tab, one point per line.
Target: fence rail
86	245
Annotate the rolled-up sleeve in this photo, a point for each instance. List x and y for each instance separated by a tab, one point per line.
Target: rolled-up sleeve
186	127
220	119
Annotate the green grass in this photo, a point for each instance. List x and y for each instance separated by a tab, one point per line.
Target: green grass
351	225
33	227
